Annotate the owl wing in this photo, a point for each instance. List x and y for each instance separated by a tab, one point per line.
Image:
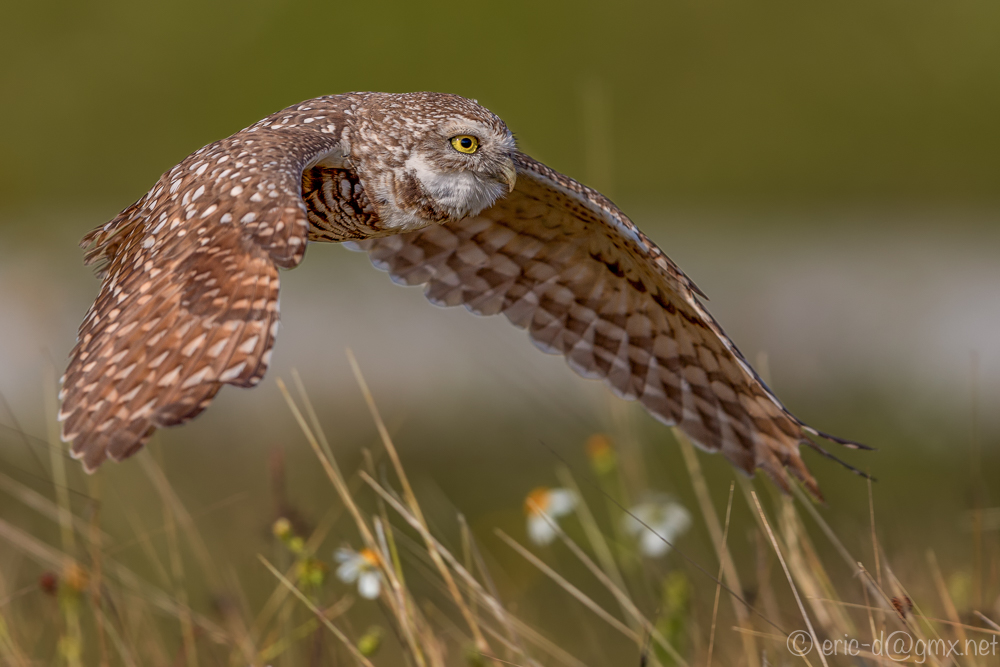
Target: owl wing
560	260
189	299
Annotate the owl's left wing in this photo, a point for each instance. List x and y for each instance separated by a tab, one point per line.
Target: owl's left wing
560	260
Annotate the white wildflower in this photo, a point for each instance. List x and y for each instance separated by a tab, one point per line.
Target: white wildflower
544	506
665	521
362	567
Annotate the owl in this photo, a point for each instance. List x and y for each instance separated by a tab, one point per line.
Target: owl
433	188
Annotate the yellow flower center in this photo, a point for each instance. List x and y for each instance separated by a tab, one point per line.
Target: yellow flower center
370	557
537	501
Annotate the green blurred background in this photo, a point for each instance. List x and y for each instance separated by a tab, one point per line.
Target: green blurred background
707	103
828	173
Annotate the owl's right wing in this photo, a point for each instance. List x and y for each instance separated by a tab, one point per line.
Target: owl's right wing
560	260
189	299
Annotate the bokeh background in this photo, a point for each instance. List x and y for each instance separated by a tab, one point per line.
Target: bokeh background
828	174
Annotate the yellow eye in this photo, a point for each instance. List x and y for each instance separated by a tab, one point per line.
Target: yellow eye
465	143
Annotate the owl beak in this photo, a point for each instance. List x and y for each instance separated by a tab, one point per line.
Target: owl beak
508	175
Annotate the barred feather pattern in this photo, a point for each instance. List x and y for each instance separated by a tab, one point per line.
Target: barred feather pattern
560	260
338	206
189	299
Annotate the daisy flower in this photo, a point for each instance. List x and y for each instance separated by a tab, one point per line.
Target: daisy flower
362	567
666	521
544	502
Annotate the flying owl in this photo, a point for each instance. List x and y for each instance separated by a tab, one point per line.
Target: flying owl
433	188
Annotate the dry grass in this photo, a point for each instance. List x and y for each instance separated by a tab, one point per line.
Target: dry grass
439	606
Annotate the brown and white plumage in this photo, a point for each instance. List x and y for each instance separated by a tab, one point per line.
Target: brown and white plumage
189	299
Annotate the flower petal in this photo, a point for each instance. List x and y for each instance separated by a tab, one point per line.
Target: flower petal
369	585
561	502
676	521
348	571
656	524
632	523
343	554
652	546
540	531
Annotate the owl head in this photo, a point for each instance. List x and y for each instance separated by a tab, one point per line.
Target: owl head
430	157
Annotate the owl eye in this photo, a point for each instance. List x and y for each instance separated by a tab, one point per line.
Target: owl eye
465	143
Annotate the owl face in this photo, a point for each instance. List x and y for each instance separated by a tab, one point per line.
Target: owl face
435	158
464	165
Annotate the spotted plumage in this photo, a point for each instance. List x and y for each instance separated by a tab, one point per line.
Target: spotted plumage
189	299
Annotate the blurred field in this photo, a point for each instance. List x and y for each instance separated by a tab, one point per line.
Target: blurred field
827	175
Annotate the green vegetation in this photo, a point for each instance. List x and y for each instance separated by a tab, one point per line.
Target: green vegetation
156	590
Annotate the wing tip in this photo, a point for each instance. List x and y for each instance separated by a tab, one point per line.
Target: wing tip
90	458
93	448
832	457
844	442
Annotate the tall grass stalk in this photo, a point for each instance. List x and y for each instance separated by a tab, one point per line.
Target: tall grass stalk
78	590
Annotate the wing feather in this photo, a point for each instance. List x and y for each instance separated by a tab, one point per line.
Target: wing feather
189	299
560	260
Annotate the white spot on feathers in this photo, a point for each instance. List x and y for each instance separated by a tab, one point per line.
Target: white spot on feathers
248	346
155	363
197	378
233	372
217	348
171	377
